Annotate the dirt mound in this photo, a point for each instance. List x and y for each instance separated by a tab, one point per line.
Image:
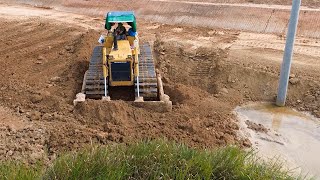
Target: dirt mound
121	122
256	127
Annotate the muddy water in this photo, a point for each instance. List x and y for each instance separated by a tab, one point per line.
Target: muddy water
292	136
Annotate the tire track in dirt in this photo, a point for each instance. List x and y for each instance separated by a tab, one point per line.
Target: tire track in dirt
303	46
27	41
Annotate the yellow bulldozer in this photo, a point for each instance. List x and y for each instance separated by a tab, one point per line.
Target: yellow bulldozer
122	68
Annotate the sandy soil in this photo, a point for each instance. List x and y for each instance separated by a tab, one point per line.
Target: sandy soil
206	72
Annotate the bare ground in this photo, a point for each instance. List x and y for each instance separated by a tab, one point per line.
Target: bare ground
206	72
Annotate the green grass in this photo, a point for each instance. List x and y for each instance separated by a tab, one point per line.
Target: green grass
152	160
18	171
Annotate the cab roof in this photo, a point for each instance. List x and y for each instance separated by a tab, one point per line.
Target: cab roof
120	16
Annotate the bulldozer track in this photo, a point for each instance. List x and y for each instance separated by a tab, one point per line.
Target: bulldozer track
202	69
148	85
94	81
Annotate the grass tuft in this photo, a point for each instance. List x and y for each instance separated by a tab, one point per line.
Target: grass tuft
19	171
159	159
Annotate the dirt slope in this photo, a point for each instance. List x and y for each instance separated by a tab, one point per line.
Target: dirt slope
243	15
310	3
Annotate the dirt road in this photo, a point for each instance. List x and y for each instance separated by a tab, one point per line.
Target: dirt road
206	72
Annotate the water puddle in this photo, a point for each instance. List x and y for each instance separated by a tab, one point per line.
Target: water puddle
281	132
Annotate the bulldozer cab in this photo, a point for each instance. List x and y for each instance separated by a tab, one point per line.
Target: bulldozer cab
120	62
127	17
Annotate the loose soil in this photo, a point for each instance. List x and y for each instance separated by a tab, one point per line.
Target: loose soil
256	127
206	72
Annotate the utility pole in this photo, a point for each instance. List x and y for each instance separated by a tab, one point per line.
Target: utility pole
288	52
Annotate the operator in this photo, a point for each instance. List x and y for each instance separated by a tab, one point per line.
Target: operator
120	32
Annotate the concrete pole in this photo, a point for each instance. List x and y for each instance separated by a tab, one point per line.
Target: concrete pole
288	52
